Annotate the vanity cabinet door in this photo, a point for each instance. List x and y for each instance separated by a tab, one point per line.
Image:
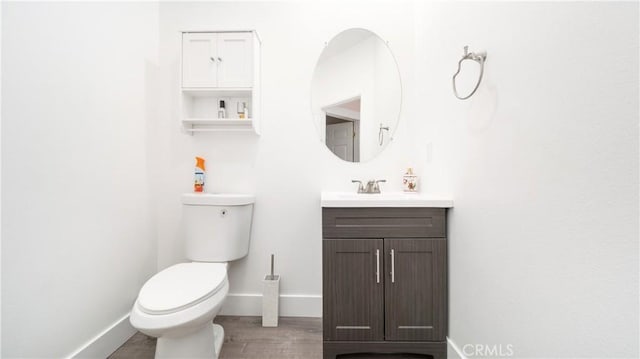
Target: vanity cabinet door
353	290
199	63
415	289
235	67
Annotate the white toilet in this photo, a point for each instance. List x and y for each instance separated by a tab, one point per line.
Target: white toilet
178	304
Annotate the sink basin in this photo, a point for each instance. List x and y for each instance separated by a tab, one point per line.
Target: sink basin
389	199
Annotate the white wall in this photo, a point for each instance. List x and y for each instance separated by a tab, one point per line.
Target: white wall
288	166
0	179
77	237
543	165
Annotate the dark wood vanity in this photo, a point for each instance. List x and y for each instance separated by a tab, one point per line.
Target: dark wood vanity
384	281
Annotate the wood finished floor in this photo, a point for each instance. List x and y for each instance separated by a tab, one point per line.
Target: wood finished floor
246	338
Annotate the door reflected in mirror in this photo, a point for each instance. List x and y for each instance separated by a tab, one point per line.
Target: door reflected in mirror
343	129
356	95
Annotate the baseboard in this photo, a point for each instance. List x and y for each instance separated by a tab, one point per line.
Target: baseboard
105	343
291	305
453	351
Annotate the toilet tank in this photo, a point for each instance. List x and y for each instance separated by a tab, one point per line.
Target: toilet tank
217	227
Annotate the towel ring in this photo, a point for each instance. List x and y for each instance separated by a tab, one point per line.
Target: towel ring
480	58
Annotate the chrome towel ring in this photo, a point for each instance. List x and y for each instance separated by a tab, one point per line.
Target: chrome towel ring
480	58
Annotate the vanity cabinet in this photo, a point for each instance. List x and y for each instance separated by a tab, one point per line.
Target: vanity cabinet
220	66
384	281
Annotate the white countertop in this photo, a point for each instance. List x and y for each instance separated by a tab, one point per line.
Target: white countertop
385	199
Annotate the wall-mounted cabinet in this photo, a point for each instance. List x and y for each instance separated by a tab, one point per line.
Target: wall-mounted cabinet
220	66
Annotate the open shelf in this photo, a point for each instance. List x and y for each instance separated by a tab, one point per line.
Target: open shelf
218	92
215	125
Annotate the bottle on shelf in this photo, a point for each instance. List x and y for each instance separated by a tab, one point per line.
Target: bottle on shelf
222	112
242	110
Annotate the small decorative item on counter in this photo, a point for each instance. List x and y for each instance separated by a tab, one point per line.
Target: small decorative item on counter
198	178
410	181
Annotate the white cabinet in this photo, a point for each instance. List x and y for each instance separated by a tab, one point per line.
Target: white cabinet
199	67
220	66
235	66
217	59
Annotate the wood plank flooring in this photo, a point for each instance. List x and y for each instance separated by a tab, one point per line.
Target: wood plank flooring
246	338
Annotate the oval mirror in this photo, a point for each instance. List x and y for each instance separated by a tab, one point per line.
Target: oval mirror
356	95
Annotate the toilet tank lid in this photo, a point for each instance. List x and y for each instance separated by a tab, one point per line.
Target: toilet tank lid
218	199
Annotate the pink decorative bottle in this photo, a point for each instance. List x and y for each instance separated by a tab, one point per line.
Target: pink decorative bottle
410	181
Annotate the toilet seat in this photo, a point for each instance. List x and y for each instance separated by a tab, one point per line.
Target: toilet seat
181	286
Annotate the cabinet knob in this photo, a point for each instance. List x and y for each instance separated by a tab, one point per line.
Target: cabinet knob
213	59
219	59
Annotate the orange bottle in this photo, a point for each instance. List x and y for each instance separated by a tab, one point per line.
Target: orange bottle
199	175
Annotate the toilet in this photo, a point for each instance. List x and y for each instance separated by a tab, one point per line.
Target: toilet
178	304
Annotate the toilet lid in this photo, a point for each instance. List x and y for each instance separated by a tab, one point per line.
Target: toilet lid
181	286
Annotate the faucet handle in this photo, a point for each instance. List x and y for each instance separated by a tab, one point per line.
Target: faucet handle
376	186
360	186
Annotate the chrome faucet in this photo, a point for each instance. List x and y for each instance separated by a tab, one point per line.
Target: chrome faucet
372	186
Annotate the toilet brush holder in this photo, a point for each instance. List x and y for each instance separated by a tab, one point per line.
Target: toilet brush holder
270	299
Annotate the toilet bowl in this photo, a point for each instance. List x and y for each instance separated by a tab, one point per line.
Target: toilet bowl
178	304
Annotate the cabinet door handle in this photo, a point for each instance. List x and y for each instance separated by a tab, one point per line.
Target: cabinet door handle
213	59
377	266
393	266
219	59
